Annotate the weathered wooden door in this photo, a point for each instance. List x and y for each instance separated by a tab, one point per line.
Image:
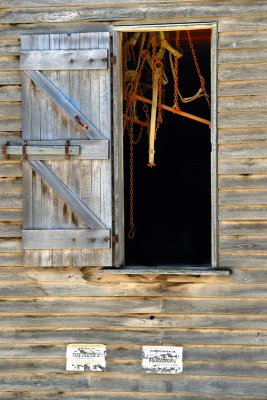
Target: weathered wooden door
67	182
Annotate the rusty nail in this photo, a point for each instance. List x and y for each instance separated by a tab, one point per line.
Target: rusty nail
107	239
91	60
93	240
104	59
72	61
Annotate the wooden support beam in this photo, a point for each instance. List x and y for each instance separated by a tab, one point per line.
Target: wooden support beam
43	150
182	113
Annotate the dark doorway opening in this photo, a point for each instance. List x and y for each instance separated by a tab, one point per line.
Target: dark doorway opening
171	202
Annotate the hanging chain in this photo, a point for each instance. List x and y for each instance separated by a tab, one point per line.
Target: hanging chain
176	107
201	78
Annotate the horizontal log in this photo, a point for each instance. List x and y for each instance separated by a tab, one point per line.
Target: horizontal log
242	166
243	181
242	103
243	227
10	124
135	366
132	305
106	13
11	215
9	47
255	212
11	259
64	59
7	245
9	77
82	304
11	200
249	260
10	93
10	169
170	289
246	40
243	135
10	229
243	244
246	55
114	382
10	184
244	87
99	395
239	72
17	30
134	321
12	109
241	119
222	353
243	150
243	196
247	22
9	63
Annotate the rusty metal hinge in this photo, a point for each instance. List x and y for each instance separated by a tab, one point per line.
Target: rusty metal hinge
4	153
115	238
113	59
24	151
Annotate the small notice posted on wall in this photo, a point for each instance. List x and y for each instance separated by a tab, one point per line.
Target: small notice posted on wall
162	359
86	357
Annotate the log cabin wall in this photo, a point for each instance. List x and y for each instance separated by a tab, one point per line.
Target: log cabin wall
221	322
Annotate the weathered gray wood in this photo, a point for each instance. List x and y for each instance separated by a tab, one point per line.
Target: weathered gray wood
10	200
243	135
81	304
222	287
236	72
10	229
243	244
11	259
10	124
246	55
11	169
64	103
76	204
177	383
14	184
7	245
166	270
10	93
244	87
249	22
243	166
9	63
43	150
9	47
64	59
63	190
66	239
241	119
243	228
89	149
241	212
9	77
242	103
242	196
249	260
247	150
10	215
134	321
249	39
105	13
243	181
12	109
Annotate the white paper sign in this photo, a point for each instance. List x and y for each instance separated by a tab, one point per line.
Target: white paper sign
163	359
81	357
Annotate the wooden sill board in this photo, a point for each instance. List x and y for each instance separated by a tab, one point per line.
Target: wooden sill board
168	270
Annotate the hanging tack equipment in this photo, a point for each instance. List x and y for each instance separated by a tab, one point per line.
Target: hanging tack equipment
133	93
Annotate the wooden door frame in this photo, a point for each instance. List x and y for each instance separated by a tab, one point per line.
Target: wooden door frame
119	227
